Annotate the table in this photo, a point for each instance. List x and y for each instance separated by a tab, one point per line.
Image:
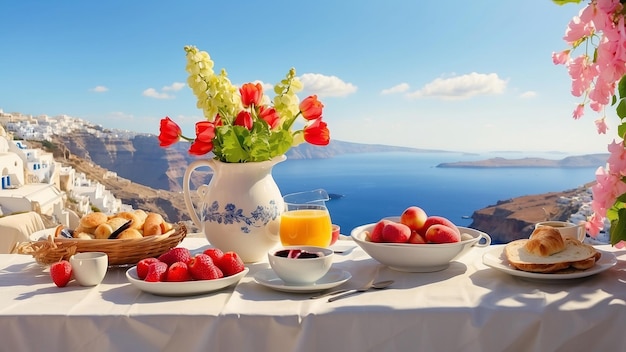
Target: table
467	307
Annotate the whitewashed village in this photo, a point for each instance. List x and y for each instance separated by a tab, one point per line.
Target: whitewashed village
32	181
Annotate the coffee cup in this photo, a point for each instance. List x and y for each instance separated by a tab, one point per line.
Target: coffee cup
567	229
89	268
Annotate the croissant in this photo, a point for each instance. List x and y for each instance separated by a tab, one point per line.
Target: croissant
545	241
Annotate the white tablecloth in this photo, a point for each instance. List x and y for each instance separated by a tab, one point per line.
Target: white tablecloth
467	307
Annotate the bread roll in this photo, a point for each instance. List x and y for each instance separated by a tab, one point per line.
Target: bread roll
129	233
137	223
545	241
93	220
105	230
153	224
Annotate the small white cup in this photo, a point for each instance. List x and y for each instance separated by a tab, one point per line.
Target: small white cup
89	268
567	229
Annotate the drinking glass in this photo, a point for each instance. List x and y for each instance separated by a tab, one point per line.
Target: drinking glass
306	220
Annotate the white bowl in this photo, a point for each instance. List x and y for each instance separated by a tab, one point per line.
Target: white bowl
418	258
305	271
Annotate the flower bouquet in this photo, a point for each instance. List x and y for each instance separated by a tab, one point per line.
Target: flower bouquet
242	124
600	30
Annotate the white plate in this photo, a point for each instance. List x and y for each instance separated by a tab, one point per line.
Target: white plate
496	259
333	278
187	288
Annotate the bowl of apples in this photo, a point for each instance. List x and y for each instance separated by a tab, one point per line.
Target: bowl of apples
416	241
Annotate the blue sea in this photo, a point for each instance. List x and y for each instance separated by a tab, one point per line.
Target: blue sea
376	185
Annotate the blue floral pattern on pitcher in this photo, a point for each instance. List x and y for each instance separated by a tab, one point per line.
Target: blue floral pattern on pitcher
232	214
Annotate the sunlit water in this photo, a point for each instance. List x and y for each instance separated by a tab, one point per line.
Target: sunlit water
384	184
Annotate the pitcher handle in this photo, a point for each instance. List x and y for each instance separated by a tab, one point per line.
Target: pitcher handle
201	190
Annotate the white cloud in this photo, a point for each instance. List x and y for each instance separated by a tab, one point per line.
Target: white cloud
163	94
527	95
462	87
174	87
400	88
153	93
326	86
99	89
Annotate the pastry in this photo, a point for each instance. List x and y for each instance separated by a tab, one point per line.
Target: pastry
550	253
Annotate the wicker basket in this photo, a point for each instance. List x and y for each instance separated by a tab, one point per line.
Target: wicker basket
120	252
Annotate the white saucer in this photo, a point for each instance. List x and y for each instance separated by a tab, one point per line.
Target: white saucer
333	278
496	259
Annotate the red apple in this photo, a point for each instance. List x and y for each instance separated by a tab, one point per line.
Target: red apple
414	217
416	238
377	231
395	232
434	219
439	233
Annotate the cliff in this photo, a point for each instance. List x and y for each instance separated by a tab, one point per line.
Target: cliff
514	218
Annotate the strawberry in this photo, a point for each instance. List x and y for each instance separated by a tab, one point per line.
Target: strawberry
156	272
214	253
177	254
201	267
230	264
178	272
61	273
142	267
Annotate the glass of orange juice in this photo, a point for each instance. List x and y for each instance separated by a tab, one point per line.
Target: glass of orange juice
306	220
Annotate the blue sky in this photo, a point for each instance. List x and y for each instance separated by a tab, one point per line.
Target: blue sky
453	75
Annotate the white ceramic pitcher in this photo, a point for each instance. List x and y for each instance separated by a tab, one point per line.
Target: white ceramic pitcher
240	207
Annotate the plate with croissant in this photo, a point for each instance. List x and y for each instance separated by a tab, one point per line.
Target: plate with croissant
546	255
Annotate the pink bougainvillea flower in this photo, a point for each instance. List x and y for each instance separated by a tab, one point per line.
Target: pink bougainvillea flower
617	158
251	94
560	58
601	125
594	225
169	132
311	108
270	116
582	74
244	119
317	133
577	29
579	111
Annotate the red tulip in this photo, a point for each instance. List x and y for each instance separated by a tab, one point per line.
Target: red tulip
244	119
317	133
251	94
311	108
205	132
169	132
270	116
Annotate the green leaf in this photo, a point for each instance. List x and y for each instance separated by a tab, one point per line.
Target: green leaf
281	141
618	227
613	100
621	108
621	87
621	130
563	2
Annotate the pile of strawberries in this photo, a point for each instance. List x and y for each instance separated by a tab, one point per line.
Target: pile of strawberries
177	265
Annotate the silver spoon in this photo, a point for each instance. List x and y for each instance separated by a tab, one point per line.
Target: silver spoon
376	285
380	284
